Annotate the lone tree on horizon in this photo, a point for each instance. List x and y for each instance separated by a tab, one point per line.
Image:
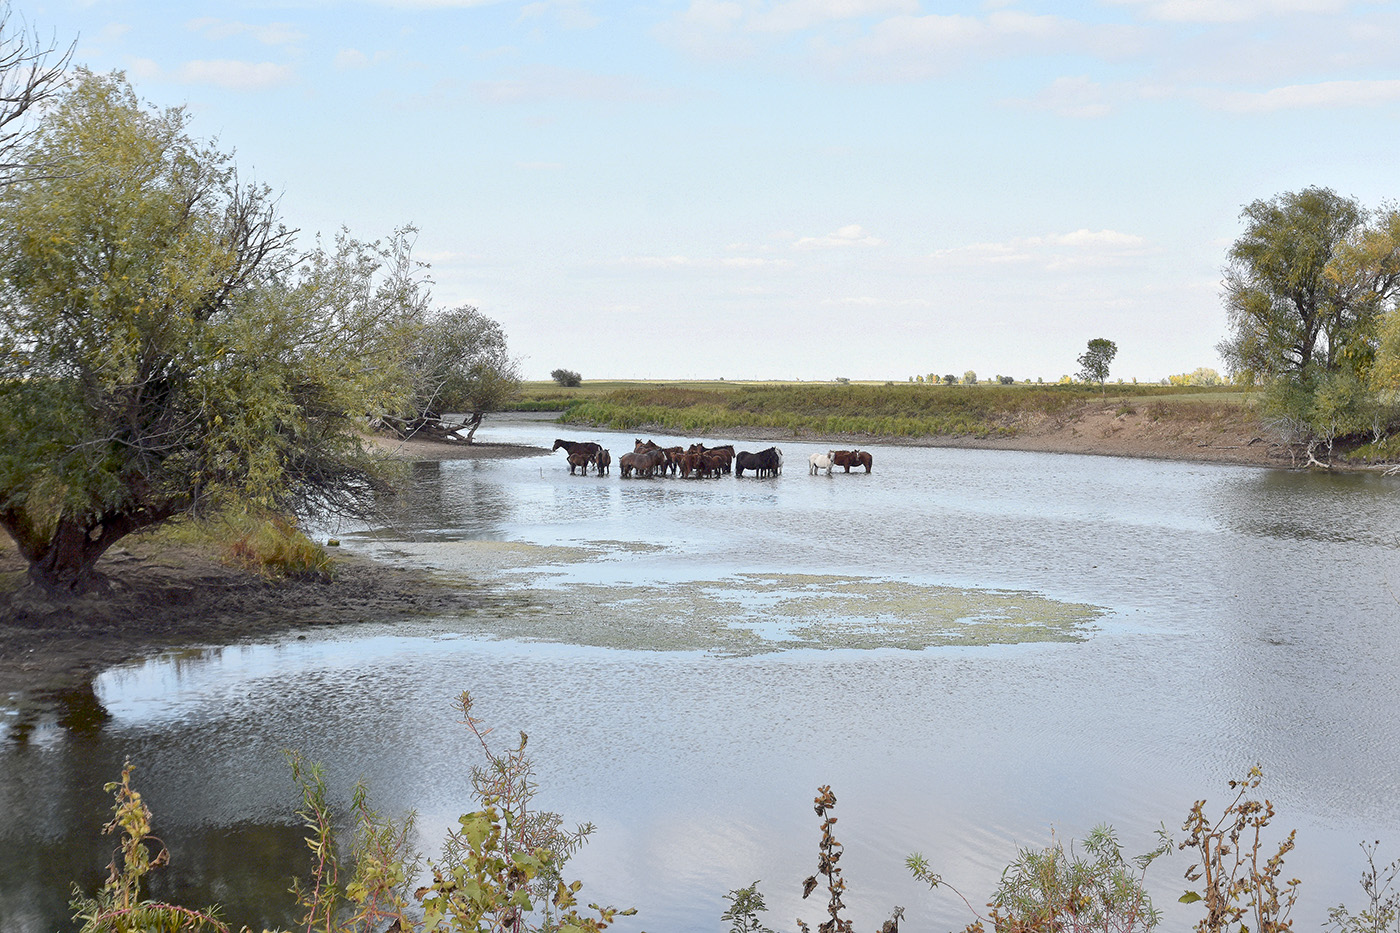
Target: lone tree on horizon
1095	360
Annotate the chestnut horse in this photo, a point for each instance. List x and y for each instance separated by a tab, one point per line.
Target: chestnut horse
849	458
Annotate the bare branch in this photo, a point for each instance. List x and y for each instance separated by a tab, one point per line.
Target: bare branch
31	71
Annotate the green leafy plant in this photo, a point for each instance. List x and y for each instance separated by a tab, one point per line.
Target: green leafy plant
499	872
745	904
1240	892
379	862
1055	890
119	906
507	783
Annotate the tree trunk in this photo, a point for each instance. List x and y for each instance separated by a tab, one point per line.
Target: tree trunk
63	562
474	422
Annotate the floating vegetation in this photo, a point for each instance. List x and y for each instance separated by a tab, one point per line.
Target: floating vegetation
745	613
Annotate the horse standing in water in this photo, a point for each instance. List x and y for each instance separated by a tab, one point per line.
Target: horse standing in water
818	462
849	458
587	447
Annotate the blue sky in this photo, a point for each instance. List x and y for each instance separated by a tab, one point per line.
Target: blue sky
795	189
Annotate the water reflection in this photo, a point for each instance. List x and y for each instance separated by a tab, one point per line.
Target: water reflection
75	709
1249	616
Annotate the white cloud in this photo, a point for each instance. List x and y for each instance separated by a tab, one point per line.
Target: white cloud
1052	252
869	301
432	4
544	82
849	235
709	29
797	15
112	32
1077	97
349	59
688	262
1325	94
268	34
905	48
1100	239
568	14
1232	11
225	73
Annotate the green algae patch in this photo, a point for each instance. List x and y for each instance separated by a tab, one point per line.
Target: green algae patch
752	613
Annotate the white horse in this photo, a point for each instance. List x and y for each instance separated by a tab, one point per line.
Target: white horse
818	462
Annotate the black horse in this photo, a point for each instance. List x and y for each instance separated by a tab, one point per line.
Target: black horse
765	463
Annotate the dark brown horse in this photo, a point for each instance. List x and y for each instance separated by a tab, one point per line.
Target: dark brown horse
588	447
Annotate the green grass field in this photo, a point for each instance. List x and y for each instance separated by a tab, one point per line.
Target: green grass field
876	408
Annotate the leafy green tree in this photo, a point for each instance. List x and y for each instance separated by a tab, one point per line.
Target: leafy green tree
1094	362
1305	284
160	352
568	378
969	378
459	365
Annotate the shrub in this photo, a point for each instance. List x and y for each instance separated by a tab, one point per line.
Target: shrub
1052	890
254	540
567	378
499	871
1382	914
1239	892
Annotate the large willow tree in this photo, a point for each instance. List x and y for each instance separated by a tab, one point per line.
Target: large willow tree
162	350
1310	289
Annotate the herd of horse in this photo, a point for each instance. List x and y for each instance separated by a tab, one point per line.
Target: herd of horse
648	459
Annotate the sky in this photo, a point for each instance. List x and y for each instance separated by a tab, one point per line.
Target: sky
788	189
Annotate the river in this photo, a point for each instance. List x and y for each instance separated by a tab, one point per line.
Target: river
975	649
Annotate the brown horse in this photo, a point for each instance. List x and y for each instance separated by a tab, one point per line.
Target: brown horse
581	459
588	447
644	462
849	458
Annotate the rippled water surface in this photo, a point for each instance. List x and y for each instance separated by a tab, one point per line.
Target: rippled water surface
691	659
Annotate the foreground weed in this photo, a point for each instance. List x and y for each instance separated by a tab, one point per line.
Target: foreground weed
829	855
745	904
499	872
1240	892
1382	914
1053	890
379	865
119	907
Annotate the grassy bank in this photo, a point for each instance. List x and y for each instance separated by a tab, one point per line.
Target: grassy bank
889	410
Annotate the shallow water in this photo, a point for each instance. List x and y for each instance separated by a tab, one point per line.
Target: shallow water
974	648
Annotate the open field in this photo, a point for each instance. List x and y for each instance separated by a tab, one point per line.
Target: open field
887	410
1168	422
